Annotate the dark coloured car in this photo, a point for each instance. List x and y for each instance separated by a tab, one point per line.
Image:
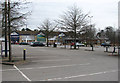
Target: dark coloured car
23	43
37	44
105	44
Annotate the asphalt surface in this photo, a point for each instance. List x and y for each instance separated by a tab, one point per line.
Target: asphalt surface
0	71
59	64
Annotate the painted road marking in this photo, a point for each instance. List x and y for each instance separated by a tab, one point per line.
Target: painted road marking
22	73
82	75
49	67
52	60
36	57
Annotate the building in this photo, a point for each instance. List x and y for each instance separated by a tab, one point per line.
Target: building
26	36
59	37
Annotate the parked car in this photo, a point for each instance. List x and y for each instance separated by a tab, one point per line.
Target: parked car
80	44
37	44
23	43
30	43
14	42
105	44
58	43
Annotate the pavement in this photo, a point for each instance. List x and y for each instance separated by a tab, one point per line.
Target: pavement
59	64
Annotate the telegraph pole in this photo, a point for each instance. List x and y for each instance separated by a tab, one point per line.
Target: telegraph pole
6	28
9	29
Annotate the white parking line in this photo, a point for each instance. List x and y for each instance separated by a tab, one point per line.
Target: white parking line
98	73
22	73
49	67
36	57
52	60
26	57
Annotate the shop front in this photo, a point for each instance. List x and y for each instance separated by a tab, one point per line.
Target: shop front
14	38
41	38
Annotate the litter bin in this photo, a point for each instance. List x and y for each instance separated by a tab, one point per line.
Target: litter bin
55	45
91	45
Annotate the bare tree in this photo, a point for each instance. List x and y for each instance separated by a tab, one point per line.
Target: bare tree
88	33
72	21
47	27
12	19
110	34
17	14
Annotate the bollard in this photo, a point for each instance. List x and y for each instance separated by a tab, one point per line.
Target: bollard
24	54
92	48
106	48
114	50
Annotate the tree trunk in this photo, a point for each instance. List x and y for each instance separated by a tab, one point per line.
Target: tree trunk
75	39
65	44
47	42
6	55
92	48
9	23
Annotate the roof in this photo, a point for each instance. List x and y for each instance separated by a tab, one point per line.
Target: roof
28	32
54	38
14	33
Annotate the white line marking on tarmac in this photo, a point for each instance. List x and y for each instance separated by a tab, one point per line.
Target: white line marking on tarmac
52	60
36	57
98	73
22	73
49	67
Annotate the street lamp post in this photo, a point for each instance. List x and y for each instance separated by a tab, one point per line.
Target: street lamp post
90	18
90	28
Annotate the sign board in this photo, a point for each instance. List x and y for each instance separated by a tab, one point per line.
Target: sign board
41	38
15	38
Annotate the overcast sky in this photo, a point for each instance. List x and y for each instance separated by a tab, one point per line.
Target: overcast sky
104	12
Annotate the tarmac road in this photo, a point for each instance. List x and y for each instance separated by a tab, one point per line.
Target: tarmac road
56	64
